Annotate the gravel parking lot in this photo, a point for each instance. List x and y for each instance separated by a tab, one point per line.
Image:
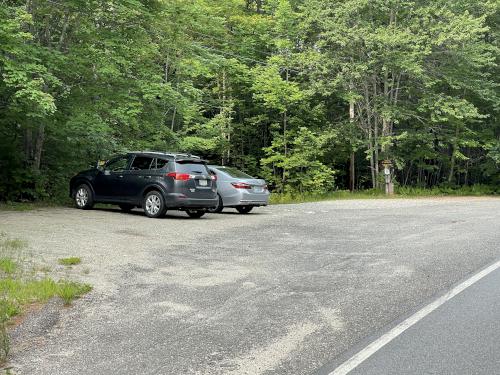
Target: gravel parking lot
286	290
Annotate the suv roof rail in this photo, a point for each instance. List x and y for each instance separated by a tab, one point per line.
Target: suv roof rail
174	154
148	152
187	156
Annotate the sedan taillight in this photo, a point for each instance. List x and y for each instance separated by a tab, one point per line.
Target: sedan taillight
179	176
241	185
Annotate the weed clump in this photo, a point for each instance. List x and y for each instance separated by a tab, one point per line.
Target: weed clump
20	286
71	261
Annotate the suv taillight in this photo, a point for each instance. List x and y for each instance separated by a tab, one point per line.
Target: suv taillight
241	185
179	176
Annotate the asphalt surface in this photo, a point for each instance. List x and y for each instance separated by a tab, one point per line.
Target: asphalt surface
289	289
460	337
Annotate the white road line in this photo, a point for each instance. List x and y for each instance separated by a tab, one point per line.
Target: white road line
376	345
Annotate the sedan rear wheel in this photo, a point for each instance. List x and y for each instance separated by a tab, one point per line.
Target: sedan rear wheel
83	197
154	205
195	214
244	209
218	208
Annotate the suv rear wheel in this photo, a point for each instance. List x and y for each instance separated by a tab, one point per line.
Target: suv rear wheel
244	209
195	214
154	204
84	198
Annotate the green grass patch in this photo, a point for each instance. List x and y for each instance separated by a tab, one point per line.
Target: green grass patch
69	290
8	244
16	294
463	191
334	195
20	287
8	266
27	206
401	192
19	293
71	261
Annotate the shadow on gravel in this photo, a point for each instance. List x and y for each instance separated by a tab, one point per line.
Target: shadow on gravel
178	214
236	213
137	212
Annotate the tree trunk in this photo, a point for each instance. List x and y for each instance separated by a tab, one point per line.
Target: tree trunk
352	172
375	153
39	141
372	166
352	166
285	140
453	151
28	146
173	119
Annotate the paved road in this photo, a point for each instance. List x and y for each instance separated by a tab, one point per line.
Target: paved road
287	290
461	337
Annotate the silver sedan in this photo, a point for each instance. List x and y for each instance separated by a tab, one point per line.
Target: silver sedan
238	190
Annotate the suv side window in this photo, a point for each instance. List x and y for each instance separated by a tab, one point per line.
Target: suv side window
160	164
141	162
118	164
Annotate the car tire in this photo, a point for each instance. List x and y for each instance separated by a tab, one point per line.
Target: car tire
218	208
244	209
154	204
126	207
84	198
195	214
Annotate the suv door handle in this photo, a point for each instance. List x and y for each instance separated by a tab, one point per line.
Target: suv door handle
147	176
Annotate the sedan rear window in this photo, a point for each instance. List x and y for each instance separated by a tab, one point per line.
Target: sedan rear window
233	172
191	168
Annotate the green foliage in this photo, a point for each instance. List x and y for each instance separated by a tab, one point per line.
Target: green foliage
238	81
300	170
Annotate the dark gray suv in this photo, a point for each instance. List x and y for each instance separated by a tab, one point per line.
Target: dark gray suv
155	181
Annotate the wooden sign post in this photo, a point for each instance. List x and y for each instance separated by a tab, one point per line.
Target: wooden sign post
389	186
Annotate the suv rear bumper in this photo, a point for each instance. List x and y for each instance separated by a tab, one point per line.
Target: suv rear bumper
245	202
174	200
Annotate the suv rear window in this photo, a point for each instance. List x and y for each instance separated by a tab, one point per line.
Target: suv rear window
189	167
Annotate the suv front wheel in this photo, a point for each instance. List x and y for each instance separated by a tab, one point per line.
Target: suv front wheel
154	204
84	198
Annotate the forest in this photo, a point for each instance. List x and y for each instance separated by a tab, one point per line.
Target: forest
312	95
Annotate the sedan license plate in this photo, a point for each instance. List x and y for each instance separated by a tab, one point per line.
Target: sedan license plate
258	189
203	182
